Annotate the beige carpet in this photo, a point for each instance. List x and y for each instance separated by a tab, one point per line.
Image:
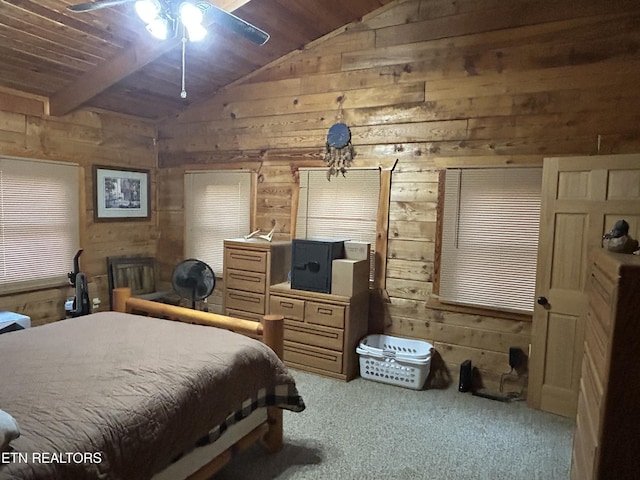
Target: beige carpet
368	430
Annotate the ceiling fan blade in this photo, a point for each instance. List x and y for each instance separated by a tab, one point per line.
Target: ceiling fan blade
237	25
89	6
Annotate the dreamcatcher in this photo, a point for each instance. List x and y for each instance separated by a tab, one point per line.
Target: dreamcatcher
339	153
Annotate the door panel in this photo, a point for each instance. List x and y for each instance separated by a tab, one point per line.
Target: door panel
573	185
566	272
582	197
560	327
623	185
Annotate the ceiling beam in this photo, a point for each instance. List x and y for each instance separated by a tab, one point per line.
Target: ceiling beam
108	73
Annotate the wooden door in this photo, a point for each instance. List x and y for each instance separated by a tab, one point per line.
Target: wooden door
582	198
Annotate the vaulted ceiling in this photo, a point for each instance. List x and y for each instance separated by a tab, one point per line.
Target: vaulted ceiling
106	59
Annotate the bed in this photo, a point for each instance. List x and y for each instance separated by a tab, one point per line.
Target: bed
118	395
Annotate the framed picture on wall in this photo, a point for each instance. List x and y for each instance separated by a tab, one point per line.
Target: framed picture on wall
121	194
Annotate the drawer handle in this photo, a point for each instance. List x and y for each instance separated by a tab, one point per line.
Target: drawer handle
325	311
247	258
244	277
315	333
243	298
286	304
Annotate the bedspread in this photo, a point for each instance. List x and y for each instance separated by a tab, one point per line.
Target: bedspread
118	396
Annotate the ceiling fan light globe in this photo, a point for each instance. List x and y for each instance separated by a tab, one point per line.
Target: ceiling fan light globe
159	28
190	15
147	10
196	33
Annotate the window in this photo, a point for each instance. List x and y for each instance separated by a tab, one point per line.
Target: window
39	223
345	207
490	237
217	207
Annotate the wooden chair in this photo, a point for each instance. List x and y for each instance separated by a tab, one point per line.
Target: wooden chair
140	274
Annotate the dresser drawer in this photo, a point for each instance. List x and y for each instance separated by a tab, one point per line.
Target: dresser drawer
600	302
592	388
247	281
596	347
246	301
324	314
318	336
288	307
314	357
584	446
254	317
245	260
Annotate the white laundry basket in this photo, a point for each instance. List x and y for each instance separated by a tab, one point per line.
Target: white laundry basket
395	360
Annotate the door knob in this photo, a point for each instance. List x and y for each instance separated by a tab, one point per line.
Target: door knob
543	301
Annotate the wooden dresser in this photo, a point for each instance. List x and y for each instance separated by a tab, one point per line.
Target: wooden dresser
250	266
607	436
322	330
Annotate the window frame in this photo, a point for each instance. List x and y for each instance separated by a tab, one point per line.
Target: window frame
252	202
434	301
77	196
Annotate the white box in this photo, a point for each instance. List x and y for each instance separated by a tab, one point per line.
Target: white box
8	318
349	277
357	250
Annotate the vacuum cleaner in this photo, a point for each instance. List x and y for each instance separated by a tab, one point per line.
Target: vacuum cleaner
78	305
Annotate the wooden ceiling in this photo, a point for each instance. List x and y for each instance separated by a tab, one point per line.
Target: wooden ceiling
106	59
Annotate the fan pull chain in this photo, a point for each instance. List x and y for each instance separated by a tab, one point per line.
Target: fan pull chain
183	93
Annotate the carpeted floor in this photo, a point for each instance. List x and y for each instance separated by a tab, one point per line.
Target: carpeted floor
369	430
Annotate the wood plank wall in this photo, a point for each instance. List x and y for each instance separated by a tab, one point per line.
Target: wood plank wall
85	138
429	83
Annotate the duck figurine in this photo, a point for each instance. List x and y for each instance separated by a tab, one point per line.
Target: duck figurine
618	239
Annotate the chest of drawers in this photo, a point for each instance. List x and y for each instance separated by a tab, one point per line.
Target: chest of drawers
605	443
322	330
250	266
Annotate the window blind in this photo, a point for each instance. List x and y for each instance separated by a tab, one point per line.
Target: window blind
490	237
39	223
345	207
217	207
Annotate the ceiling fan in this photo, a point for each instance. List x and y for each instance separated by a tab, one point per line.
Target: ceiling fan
163	17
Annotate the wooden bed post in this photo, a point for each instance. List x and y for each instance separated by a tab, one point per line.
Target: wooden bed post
120	297
273	333
273	337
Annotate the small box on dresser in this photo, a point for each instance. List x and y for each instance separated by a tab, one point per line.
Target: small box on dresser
349	277
607	434
321	330
357	250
